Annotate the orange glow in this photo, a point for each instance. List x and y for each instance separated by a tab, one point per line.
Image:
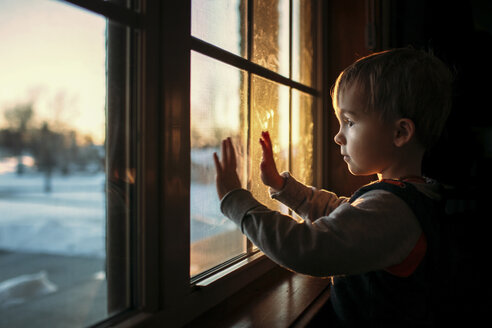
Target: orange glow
130	175
53	55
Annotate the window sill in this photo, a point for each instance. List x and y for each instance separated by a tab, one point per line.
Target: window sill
229	271
279	298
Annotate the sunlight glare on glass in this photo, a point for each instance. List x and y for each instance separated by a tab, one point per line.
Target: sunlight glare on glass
265	118
52	163
54	57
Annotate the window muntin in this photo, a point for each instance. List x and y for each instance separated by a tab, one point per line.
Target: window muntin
272	97
59	234
163	117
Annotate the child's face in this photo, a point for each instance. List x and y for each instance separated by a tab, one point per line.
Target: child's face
366	143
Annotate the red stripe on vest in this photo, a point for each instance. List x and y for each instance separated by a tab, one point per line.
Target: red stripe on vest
412	261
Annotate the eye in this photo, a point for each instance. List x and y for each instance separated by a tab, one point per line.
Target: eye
348	122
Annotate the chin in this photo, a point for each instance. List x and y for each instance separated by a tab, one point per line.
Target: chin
358	173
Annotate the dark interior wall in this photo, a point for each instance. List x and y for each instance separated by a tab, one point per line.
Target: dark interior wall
460	33
345	43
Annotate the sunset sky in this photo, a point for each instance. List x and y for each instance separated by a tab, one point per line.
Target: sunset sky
54	54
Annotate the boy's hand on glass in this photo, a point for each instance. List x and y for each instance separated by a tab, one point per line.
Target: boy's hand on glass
269	172
227	178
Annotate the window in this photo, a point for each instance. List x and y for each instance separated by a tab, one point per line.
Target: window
251	71
67	163
109	114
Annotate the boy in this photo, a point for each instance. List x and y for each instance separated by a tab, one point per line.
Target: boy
391	107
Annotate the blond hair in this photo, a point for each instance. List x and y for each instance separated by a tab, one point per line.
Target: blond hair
402	83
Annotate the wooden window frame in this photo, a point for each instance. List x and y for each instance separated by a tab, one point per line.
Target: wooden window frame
251	68
160	96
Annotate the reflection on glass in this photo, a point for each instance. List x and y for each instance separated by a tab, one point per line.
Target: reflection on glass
302	136
52	174
303	28
221	23
269	112
218	110
271	35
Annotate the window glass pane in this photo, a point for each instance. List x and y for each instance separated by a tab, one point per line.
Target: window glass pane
271	35
303	28
269	112
221	23
53	238
218	110
302	136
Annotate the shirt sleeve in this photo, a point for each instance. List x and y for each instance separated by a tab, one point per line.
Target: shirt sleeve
376	231
308	202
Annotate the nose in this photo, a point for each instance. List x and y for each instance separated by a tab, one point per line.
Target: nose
339	138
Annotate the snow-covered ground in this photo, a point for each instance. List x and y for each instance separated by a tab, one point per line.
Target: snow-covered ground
71	220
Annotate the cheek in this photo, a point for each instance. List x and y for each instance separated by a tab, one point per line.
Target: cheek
359	139
368	145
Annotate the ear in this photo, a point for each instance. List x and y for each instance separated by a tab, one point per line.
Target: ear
404	132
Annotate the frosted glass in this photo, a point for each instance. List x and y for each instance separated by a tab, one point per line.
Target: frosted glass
269	112
303	32
218	110
302	136
271	35
221	23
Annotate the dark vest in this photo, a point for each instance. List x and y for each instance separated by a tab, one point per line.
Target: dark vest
381	299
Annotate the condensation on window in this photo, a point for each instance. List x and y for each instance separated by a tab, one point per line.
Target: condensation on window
271	35
302	136
270	112
218	111
303	28
221	23
220	108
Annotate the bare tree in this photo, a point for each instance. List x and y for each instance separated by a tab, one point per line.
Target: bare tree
46	148
18	119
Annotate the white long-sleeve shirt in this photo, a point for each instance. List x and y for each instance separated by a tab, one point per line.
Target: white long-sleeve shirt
376	231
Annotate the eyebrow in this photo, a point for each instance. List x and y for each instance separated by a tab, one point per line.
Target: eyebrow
345	111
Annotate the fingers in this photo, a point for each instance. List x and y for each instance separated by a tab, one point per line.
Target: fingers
228	155
263	146
218	167
266	137
266	144
231	153
224	152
